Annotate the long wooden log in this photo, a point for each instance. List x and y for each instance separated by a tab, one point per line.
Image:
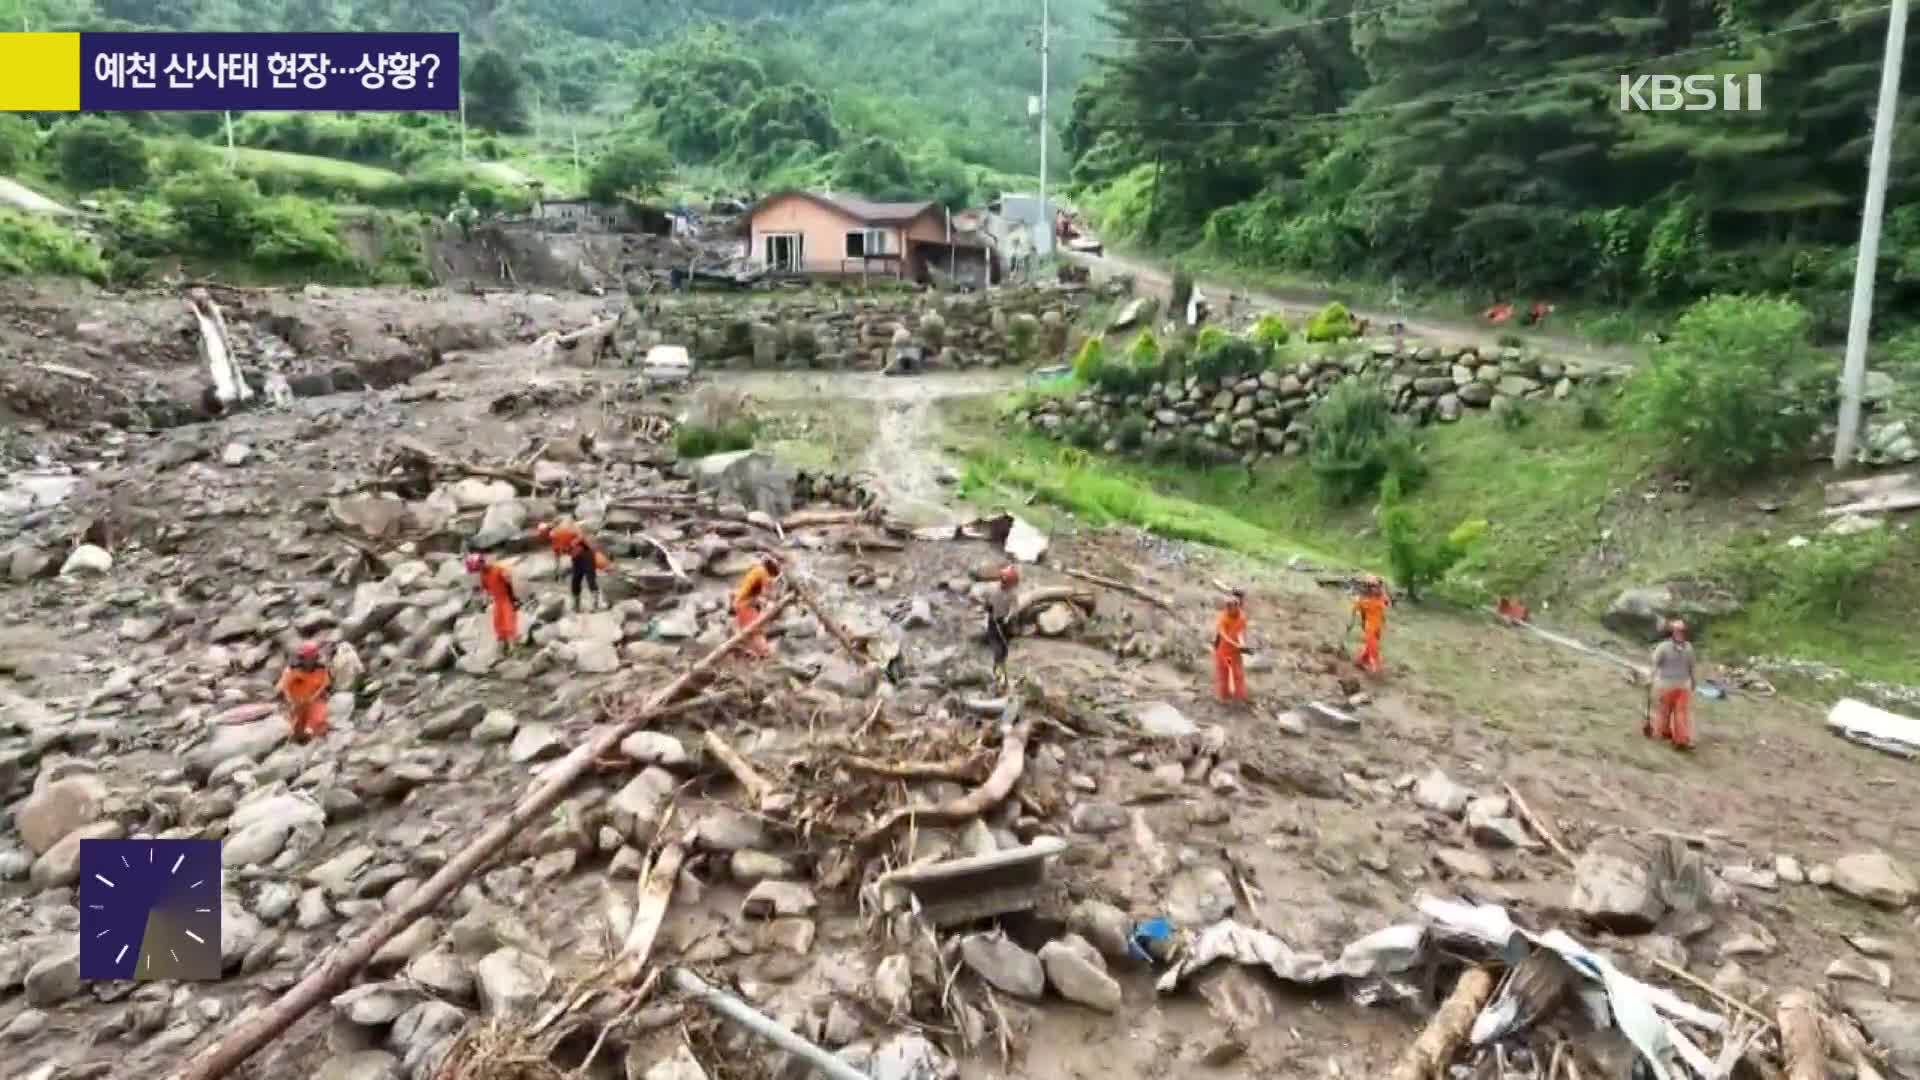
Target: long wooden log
1427	1058
1850	1046
328	977
998	785
832	627
1802	1047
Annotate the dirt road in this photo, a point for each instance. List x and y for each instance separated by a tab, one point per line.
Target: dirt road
893	418
1155	278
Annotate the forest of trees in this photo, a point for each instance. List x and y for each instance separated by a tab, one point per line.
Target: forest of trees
1480	144
874	95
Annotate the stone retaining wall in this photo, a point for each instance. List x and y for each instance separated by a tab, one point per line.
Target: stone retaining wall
825	330
1266	413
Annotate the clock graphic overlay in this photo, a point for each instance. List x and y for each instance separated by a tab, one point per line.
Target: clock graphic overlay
150	909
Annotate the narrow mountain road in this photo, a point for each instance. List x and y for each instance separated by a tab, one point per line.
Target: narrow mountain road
1156	279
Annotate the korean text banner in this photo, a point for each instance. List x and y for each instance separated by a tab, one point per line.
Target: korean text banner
139	72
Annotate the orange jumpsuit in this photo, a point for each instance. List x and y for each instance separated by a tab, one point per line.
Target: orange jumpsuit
1229	673
1372	610
305	692
498	585
746	604
565	540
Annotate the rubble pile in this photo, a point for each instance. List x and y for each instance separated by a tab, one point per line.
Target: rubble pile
621	842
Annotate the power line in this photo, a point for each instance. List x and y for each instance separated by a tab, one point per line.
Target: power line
1531	84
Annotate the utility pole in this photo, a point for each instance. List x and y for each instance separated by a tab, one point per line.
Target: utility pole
233	164
463	126
1045	244
573	126
1854	374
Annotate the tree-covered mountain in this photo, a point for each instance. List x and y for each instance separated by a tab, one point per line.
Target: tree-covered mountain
872	92
1481	143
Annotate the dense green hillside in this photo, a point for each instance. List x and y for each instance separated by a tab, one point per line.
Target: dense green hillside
1480	144
797	86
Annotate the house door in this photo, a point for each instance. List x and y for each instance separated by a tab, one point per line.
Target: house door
785	251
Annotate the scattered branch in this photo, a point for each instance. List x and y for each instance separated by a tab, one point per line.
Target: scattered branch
1119	586
1540	826
998	785
1801	1045
759	788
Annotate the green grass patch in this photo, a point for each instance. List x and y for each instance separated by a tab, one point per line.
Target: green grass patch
1574	514
694	442
30	244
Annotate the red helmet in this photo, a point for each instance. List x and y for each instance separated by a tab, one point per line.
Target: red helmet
308	650
1009	575
544	529
475	563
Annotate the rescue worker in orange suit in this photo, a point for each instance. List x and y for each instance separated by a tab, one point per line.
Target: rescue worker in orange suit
1673	686
999	618
303	686
497	583
584	560
748	597
1229	641
1370	611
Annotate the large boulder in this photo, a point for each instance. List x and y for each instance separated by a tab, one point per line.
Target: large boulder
1643	613
1873	876
1614	888
753	478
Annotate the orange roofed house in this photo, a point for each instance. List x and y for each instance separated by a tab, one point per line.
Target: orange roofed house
808	232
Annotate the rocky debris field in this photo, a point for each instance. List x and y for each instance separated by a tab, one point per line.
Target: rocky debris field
1178	888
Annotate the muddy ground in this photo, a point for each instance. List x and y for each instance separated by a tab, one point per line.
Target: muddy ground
119	688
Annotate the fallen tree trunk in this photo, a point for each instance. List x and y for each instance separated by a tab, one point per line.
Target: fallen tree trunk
1427	1058
1801	1046
333	973
1119	586
999	784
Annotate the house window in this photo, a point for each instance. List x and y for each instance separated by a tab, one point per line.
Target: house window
863	243
785	251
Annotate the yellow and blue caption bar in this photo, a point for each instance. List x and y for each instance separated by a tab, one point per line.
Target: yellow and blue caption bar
131	72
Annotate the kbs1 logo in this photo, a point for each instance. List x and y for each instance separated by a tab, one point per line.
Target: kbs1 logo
1690	93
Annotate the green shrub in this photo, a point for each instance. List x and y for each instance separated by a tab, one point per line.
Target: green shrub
1354	443
1736	390
1331	323
143	228
1612	329
691	441
34	245
1416	557
1511	341
1145	350
1270	331
95	152
1089	361
1187	450
19	143
291	231
1515	414
214	211
1131	432
1022	335
1831	574
1225	357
